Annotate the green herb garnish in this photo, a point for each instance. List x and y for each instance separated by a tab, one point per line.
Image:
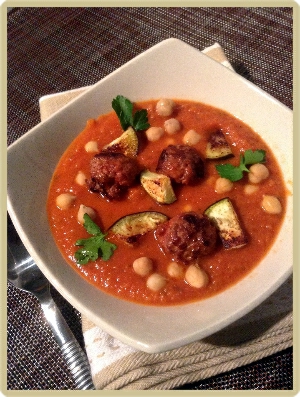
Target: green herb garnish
124	110
233	173
93	247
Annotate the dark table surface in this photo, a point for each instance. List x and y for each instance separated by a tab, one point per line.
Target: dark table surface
57	49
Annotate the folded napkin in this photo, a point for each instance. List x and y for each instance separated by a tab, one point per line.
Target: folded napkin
264	331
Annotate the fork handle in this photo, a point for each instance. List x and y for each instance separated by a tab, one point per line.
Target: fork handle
78	365
75	357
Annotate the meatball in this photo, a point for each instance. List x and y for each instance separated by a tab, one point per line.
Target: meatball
112	174
187	236
181	163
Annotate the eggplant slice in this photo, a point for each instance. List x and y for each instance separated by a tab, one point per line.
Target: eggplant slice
133	226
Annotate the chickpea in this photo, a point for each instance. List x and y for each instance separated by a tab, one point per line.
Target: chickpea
196	277
91	147
191	138
165	107
175	270
80	178
85	210
65	200
223	185
258	172
172	126
271	204
154	133
250	189
156	281
143	266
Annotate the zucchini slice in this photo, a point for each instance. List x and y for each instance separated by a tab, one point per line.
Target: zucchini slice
127	143
217	147
223	214
131	227
158	186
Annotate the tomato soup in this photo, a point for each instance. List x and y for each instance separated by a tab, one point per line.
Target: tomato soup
224	267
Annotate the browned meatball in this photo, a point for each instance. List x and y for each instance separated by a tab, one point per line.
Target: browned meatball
187	236
181	163
112	174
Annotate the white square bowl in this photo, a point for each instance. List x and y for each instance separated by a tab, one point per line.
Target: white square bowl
169	69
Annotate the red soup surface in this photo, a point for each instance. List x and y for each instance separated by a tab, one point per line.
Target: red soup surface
223	267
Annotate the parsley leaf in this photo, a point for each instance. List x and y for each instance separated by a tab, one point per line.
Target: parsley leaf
230	172
124	110
93	247
140	120
91	227
234	173
258	156
123	107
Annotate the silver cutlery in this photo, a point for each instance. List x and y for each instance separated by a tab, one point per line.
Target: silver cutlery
24	273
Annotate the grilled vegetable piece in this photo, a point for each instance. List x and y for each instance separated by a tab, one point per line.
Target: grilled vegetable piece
223	214
158	186
127	143
217	147
131	227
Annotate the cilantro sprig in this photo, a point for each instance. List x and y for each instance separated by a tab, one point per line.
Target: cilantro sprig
93	247
124	110
235	173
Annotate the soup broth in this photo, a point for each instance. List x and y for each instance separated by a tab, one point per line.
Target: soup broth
223	267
